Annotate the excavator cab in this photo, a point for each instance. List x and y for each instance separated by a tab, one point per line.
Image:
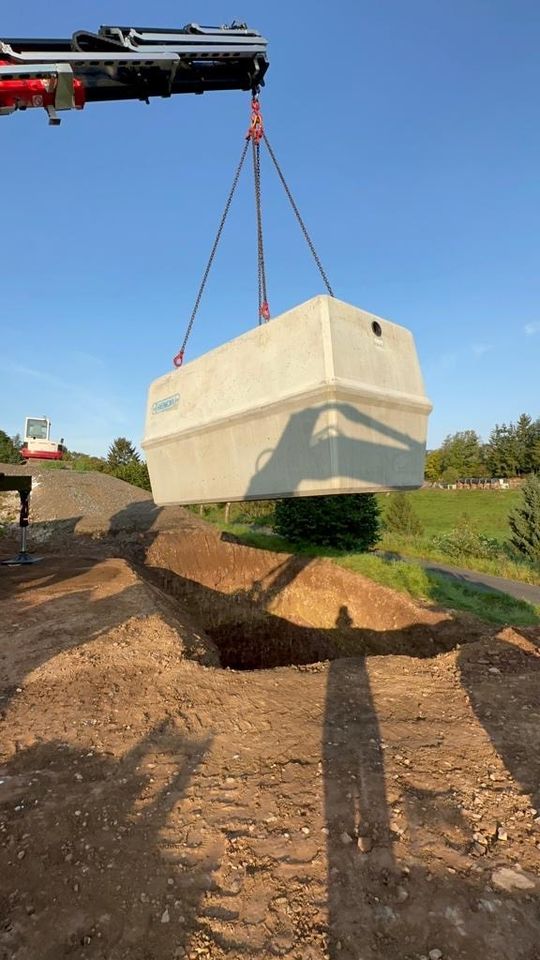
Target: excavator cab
37	441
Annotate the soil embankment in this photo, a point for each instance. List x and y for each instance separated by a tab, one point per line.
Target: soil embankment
363	783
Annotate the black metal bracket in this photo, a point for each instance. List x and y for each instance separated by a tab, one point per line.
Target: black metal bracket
23	486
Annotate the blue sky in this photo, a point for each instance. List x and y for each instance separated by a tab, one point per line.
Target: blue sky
410	134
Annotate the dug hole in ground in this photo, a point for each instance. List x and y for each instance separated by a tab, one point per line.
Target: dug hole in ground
214	751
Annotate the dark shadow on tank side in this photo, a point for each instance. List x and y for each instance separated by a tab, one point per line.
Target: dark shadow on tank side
304	453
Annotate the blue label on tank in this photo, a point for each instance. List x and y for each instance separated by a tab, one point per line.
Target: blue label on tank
167	404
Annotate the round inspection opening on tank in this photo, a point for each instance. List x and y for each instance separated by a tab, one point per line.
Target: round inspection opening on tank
376	328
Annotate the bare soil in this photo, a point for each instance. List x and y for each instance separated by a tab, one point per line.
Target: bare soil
213	751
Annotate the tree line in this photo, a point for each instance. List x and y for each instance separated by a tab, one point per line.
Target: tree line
122	461
512	450
353	521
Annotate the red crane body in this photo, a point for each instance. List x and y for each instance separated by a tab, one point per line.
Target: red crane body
128	63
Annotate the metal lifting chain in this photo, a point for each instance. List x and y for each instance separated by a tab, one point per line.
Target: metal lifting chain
264	309
179	358
298	216
256	134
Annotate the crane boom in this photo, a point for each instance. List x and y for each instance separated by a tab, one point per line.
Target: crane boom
128	63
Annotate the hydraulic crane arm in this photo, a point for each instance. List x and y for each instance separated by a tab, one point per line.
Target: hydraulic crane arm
128	63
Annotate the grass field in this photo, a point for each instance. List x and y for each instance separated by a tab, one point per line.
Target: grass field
441	510
408	578
422	548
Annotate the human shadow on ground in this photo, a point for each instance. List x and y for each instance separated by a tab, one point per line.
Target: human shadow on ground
365	886
356	807
385	898
249	637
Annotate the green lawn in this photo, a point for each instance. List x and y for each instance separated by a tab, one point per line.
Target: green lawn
441	510
410	578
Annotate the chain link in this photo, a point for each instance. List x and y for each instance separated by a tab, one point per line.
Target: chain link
256	133
264	310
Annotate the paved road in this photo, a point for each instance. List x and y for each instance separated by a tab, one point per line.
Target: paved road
481	581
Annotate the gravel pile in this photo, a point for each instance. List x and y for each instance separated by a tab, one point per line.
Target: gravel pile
68	501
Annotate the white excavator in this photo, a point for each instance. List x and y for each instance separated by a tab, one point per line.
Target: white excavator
37	441
326	399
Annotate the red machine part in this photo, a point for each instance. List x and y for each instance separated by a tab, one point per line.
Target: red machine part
41	454
256	126
35	93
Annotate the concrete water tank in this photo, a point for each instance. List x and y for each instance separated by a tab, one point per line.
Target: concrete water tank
325	398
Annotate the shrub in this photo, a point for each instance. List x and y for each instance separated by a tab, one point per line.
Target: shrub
450	475
524	521
135	473
401	518
347	521
253	511
9	453
465	541
83	462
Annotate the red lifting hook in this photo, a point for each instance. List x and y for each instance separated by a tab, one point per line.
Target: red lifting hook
256	127
179	359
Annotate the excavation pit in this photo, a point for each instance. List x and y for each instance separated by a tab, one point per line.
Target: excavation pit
264	610
265	644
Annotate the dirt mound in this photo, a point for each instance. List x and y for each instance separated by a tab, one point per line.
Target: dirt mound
85	600
65	502
153	806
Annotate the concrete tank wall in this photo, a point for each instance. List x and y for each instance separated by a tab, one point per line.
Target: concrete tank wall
313	402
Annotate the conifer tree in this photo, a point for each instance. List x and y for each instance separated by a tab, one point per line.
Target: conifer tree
401	517
524	521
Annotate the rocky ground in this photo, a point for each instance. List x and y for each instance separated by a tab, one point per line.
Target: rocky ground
212	751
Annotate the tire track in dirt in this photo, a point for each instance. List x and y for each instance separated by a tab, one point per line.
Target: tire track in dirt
154	805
